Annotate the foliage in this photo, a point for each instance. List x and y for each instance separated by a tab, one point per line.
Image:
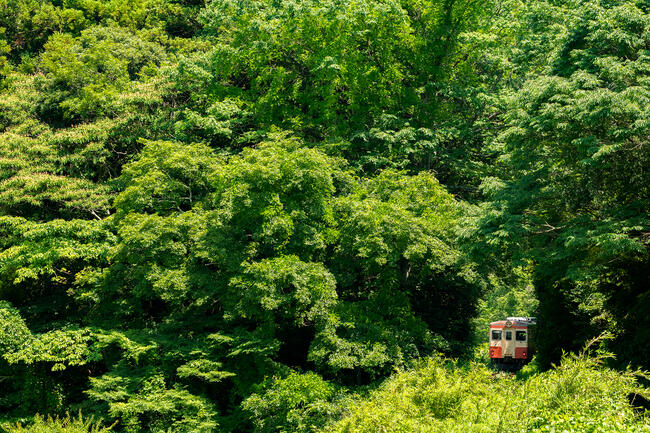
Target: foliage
234	215
82	76
375	81
513	295
13	332
247	257
296	403
576	192
58	425
578	396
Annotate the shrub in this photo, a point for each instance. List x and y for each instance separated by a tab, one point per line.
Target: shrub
579	396
58	425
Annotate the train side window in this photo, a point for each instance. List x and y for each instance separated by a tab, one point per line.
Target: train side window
508	335
521	336
496	335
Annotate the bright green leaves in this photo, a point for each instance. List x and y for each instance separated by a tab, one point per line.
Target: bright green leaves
181	219
335	71
39	179
396	227
203	369
152	257
13	331
40	265
392	143
219	125
84	95
275	258
275	200
283	290
29	23
48	173
184	209
83	76
189	222
312	64
211	268
205	244
167	178
586	122
263	217
399	238
138	390
58	425
150	405
296	403
438	395
332	67
368	338
55	250
34	369
59	348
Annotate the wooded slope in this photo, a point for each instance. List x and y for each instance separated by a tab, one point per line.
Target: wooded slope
208	208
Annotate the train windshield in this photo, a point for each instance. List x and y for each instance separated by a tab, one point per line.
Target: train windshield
521	336
496	335
508	335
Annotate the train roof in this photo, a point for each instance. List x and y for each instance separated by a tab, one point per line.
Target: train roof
531	320
515	321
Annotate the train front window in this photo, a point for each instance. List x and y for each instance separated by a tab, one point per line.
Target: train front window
496	335
508	335
521	336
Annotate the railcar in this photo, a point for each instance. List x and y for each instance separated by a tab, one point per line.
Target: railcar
512	342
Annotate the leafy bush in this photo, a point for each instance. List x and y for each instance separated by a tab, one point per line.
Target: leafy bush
58	425
13	332
579	396
83	76
296	403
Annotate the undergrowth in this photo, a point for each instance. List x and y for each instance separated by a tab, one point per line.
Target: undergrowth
57	425
580	395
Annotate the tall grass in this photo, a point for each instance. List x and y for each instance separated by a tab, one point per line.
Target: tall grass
578	396
57	425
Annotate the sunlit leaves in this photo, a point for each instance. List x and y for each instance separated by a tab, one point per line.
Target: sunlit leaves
203	369
58	349
151	399
438	395
83	76
168	177
171	249
295	292
315	64
297	403
54	250
13	331
61	425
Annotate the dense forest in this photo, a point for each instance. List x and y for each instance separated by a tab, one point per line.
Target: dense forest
297	215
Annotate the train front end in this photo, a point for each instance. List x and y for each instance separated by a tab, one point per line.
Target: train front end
512	342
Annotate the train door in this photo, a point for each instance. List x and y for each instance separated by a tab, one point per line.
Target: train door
508	343
521	344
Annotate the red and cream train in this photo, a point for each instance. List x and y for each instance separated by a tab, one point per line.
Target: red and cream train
512	342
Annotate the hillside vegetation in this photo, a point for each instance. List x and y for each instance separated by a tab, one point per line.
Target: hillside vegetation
438	396
238	215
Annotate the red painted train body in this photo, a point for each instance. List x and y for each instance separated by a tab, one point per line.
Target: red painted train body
512	342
